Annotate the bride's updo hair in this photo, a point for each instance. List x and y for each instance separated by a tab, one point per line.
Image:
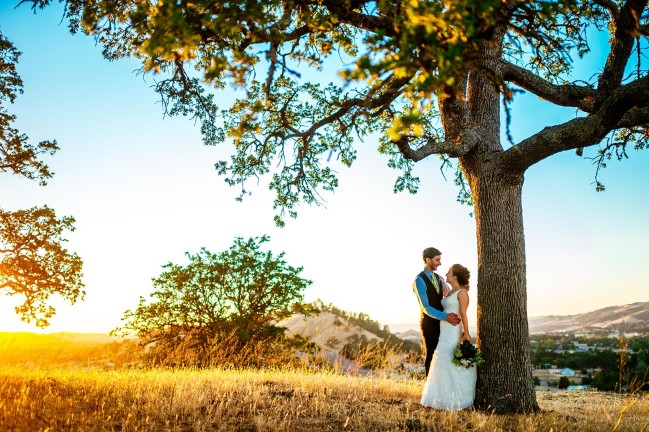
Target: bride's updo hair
461	273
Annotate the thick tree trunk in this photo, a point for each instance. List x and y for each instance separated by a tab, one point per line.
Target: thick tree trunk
505	379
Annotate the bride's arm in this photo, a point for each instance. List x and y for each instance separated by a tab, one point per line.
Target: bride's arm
463	298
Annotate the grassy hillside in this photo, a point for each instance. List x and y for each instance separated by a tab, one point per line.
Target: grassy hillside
61	349
41	392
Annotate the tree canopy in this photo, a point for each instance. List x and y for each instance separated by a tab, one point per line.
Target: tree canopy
399	59
429	76
33	262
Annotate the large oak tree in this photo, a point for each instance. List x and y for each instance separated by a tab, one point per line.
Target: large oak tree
429	76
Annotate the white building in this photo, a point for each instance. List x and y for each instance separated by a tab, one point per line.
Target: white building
578	387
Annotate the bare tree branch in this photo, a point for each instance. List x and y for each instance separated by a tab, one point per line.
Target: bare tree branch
576	133
573	95
634	118
627	29
616	111
465	144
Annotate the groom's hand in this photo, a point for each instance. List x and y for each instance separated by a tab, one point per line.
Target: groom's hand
452	318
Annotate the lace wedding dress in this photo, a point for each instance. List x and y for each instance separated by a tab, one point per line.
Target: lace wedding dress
449	386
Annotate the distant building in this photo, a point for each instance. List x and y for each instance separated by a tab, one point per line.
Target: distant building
567	372
413	367
578	387
584	334
580	347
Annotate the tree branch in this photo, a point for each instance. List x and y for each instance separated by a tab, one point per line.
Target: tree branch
618	110
644	29
572	95
634	118
573	134
627	29
611	7
389	94
362	21
467	141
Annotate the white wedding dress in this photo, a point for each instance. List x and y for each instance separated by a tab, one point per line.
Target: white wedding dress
449	386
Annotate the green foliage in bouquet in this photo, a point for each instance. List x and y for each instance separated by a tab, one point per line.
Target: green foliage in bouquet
466	354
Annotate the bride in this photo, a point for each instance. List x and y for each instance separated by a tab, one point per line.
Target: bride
450	386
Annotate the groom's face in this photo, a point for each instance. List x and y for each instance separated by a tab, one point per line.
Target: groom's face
434	262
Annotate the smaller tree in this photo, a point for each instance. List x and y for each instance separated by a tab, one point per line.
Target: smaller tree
606	380
236	296
564	382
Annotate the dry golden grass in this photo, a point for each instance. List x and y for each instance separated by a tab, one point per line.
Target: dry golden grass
98	398
69	399
62	349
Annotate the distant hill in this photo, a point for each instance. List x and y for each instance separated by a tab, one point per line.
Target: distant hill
325	329
340	334
633	317
34	349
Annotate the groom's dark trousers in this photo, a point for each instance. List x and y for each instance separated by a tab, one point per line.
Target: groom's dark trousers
429	325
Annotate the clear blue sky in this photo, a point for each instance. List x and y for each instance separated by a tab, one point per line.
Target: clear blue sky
143	190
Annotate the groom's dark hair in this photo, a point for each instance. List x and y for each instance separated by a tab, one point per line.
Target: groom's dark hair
430	252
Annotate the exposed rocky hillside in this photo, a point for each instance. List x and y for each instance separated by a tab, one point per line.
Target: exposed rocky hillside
326	329
353	342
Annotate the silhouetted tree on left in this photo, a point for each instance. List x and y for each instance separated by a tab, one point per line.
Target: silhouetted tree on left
33	262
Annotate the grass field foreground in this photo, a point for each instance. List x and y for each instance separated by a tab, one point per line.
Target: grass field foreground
87	399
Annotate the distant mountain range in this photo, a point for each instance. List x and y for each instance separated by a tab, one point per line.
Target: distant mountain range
331	331
632	317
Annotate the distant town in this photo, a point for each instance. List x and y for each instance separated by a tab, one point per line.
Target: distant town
611	360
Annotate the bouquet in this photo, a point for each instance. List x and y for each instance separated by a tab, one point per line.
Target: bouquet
467	355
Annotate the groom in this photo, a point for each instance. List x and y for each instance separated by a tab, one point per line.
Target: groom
429	288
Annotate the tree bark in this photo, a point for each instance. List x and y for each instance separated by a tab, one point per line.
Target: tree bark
505	379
